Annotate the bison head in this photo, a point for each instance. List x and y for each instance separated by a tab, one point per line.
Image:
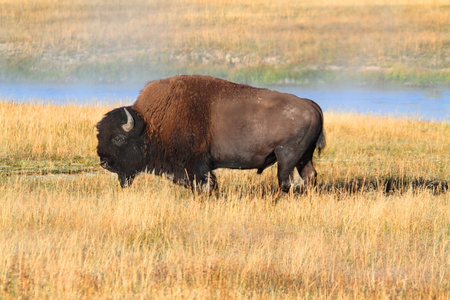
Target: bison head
121	145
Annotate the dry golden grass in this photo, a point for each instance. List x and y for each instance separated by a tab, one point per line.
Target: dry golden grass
377	226
36	136
404	41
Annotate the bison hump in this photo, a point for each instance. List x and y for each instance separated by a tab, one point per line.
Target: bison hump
177	112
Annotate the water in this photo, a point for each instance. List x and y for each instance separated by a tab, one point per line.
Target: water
424	104
69	94
417	103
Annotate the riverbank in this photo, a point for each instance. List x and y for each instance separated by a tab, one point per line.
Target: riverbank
258	42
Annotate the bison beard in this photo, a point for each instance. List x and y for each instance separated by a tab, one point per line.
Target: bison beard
184	127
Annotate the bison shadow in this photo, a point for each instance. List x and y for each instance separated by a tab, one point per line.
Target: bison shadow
387	185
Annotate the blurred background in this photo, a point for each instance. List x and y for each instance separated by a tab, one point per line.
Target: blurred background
83	49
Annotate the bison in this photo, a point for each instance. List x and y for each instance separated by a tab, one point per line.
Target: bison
184	127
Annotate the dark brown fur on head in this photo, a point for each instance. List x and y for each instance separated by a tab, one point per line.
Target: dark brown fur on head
120	151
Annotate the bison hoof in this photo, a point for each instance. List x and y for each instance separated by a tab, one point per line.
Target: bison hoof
297	183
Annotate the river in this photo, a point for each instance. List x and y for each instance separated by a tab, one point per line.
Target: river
429	104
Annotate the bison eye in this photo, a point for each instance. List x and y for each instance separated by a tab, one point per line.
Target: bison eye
119	140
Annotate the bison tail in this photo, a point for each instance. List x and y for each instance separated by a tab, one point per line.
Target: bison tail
321	142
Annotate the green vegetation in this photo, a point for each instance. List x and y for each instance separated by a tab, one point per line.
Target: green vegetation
260	42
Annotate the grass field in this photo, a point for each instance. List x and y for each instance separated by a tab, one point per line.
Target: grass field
376	226
255	41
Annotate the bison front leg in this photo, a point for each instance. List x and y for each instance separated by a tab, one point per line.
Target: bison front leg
125	180
206	183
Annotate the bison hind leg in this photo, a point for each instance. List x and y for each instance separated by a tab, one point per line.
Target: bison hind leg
286	164
309	174
288	160
306	169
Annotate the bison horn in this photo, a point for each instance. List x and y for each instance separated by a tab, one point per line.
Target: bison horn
130	121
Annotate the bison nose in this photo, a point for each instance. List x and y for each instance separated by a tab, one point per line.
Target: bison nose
104	164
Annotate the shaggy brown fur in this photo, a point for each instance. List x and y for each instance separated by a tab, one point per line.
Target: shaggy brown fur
177	111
